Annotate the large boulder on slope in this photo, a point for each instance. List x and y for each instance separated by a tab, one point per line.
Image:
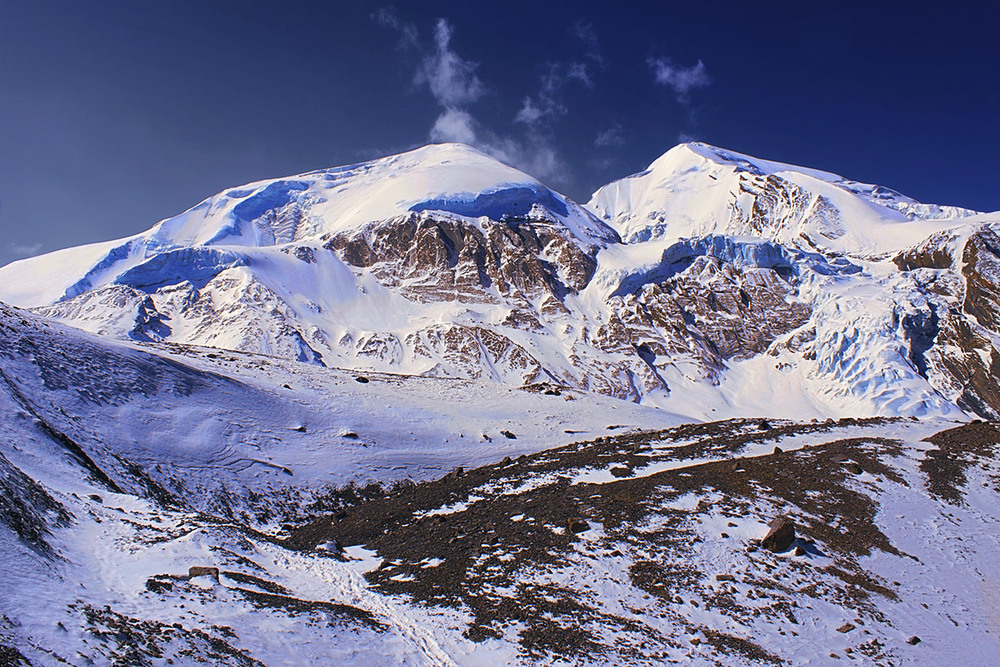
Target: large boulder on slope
780	535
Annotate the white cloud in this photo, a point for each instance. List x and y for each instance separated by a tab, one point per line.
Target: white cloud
26	250
408	35
454	125
682	80
451	80
610	138
585	32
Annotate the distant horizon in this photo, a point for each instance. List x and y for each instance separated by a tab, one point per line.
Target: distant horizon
118	114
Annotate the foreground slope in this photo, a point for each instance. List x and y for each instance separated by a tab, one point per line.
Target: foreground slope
635	542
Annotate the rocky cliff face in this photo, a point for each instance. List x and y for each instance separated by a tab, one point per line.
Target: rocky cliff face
707	275
953	336
521	260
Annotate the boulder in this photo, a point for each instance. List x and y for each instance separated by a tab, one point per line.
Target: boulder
202	571
332	546
780	535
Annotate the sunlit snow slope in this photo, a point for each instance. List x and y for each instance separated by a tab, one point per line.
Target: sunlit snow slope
713	284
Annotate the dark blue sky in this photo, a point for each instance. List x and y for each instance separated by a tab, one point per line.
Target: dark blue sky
115	114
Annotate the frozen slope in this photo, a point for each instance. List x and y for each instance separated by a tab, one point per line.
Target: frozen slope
696	189
196	245
745	286
637	547
209	428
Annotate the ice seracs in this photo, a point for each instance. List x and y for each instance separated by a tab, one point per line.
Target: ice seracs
710	284
449	327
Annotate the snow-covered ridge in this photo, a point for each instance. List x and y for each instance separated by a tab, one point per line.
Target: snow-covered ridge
696	189
453	178
729	289
443	179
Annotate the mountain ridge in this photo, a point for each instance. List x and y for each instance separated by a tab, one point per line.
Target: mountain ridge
516	437
671	282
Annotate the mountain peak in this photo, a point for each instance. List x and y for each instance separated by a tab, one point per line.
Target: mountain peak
696	189
452	178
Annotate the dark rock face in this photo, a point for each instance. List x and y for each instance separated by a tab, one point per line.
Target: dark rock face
780	535
932	253
982	275
968	355
713	311
950	335
27	509
203	571
432	259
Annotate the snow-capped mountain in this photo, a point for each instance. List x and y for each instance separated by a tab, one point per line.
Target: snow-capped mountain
699	190
708	284
372	415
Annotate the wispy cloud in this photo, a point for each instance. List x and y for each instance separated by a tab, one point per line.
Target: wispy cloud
613	137
454	83
682	80
451	79
409	36
585	32
549	102
25	250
